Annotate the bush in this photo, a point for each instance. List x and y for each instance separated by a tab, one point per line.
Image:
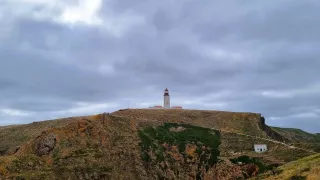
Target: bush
256	161
152	138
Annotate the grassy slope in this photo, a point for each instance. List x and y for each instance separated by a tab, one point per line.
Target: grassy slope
15	135
236	145
300	138
246	123
229	122
86	148
305	168
111	148
297	134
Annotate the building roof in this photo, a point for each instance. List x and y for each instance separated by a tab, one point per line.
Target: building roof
166	92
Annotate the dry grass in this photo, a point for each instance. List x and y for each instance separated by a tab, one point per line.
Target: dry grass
308	168
16	135
83	142
232	144
86	147
314	174
236	145
3	171
300	138
239	122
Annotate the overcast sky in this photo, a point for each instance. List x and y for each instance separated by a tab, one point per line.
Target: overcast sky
64	58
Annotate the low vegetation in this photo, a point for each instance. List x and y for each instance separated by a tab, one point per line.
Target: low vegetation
143	144
305	168
246	123
11	137
300	138
256	161
175	142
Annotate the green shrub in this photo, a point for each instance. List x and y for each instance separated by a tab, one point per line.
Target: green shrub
256	161
152	138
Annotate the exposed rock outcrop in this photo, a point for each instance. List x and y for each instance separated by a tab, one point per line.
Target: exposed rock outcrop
3	150
271	133
250	170
14	150
45	143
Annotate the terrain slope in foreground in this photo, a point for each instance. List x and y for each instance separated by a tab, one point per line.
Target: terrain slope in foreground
143	144
305	168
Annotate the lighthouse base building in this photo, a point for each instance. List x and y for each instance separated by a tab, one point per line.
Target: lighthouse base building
166	102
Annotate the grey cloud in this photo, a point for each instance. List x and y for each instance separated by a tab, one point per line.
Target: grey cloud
73	42
46	67
38	103
37	76
293	21
161	21
313	123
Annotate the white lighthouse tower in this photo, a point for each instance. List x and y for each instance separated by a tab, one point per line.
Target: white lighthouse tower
166	99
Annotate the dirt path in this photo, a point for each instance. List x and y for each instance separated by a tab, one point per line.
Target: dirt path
271	140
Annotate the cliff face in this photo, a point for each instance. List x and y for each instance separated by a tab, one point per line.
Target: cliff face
270	132
138	144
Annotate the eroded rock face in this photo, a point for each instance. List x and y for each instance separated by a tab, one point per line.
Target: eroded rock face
45	143
250	170
3	150
13	150
225	170
271	133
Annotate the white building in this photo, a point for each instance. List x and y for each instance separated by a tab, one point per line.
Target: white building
156	107
166	102
166	99
259	148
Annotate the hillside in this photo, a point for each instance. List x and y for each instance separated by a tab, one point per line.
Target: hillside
300	138
306	168
239	130
11	137
247	123
296	135
143	144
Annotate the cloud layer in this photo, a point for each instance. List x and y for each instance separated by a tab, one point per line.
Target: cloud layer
62	59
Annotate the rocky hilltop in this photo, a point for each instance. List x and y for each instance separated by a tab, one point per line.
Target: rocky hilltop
144	144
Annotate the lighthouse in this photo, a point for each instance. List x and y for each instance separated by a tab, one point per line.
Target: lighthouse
166	99
166	102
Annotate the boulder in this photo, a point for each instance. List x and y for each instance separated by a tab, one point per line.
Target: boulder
3	150
45	143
